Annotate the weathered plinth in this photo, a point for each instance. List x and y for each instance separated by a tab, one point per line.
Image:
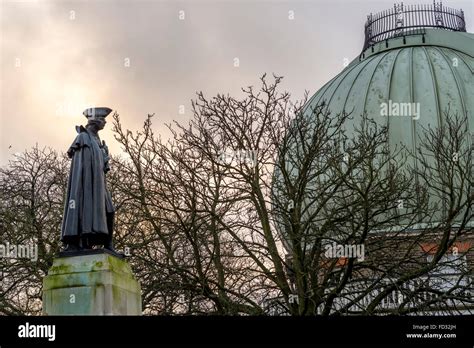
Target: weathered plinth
96	283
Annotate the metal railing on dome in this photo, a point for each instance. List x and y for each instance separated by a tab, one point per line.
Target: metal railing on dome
403	20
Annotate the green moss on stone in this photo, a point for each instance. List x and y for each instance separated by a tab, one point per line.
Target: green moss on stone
61	269
97	265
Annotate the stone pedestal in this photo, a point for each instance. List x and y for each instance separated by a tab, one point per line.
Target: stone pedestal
91	283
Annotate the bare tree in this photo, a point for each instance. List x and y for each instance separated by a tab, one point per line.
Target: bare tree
214	181
263	206
31	202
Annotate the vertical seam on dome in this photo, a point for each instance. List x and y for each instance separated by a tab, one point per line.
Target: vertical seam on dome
391	74
412	100
435	90
412	97
455	75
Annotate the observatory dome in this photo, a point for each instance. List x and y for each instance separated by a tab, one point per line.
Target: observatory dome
416	57
433	71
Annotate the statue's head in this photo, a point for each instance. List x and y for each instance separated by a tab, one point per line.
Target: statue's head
96	116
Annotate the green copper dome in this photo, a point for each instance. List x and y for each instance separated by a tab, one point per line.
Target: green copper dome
434	70
424	68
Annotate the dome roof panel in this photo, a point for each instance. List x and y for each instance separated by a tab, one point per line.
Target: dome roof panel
425	88
465	76
444	82
326	92
400	85
378	90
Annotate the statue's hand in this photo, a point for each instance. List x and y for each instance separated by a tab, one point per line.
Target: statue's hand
70	152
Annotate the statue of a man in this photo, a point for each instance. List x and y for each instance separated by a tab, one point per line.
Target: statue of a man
88	218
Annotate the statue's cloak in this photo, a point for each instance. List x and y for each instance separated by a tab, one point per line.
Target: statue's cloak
87	200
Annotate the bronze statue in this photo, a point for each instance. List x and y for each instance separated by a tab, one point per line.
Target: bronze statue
88	218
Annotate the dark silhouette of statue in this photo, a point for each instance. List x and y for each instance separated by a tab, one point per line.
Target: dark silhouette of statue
88	218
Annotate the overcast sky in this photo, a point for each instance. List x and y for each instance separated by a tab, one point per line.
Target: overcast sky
140	57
